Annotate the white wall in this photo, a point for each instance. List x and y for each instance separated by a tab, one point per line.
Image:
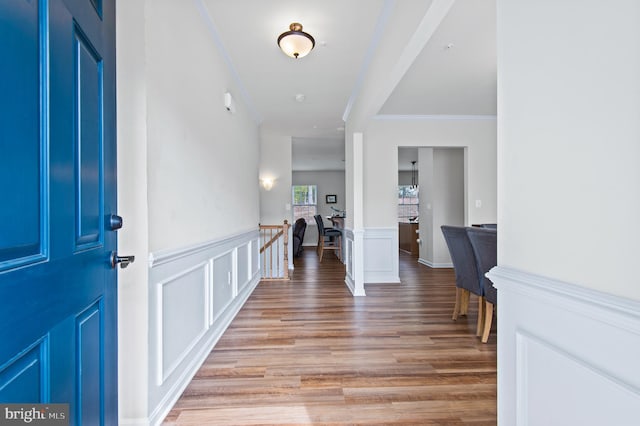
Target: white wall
203	160
188	176
404	177
448	198
441	200
569	100
328	182
381	161
425	224
569	199
275	163
133	238
383	137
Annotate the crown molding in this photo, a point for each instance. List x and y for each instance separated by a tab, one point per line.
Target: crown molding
432	117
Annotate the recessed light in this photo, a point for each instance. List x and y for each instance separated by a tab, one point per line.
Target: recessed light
300	97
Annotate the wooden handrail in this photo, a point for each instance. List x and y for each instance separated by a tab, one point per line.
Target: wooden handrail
270	235
274	239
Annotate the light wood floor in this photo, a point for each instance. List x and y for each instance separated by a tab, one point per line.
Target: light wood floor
307	352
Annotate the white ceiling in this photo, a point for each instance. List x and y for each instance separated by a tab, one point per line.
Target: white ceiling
405	157
459	80
310	154
456	72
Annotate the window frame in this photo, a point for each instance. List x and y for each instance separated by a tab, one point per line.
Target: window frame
402	190
308	205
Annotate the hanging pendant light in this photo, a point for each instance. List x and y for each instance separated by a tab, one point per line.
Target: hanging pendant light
414	183
295	43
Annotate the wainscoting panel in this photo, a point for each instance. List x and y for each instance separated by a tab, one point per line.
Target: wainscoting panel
194	295
182	317
566	354
223	290
381	264
255	256
244	265
348	253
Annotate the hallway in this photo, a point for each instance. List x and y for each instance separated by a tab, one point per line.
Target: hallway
306	352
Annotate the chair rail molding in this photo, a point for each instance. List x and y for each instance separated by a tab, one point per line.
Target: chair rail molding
566	354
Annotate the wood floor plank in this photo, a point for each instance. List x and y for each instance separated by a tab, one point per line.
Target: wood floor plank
307	352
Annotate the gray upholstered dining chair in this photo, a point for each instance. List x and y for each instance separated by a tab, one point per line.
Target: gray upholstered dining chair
328	238
485	248
466	270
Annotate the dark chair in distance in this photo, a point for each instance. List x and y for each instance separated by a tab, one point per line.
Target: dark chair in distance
485	248
328	238
466	270
298	236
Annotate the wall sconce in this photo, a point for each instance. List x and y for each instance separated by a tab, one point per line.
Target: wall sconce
267	183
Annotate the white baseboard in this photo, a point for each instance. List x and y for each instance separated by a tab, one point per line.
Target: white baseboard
430	264
567	355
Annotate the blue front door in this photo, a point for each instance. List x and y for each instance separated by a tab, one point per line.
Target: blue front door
58	341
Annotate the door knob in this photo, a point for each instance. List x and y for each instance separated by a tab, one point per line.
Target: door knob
124	261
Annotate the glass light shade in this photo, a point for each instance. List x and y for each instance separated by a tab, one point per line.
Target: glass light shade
296	43
267	183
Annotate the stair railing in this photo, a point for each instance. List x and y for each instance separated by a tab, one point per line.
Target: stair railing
274	253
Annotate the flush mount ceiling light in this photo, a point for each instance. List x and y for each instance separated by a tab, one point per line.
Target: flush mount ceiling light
296	43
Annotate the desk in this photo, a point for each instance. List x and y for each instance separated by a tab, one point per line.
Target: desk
337	221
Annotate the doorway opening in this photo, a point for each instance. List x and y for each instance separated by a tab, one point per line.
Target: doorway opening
431	183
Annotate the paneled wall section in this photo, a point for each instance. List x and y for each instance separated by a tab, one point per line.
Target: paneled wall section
381	262
568	355
194	295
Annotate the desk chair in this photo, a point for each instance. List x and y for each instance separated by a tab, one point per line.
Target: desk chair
328	238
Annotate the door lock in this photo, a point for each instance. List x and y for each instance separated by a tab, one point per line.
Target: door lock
115	222
123	261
